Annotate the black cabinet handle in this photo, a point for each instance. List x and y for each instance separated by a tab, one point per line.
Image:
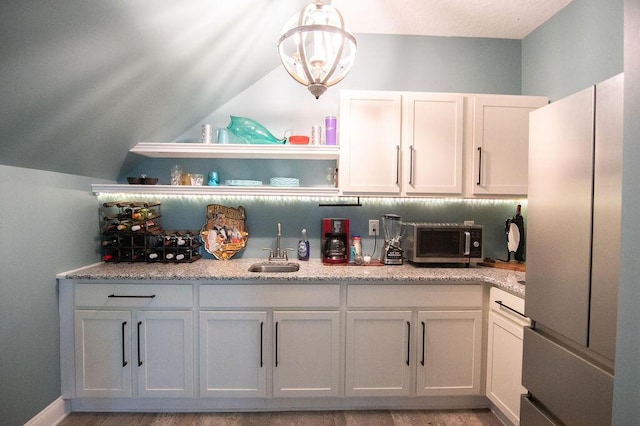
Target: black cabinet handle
276	343
124	360
261	342
151	296
479	165
411	149
397	164
499	302
408	341
139	360
424	334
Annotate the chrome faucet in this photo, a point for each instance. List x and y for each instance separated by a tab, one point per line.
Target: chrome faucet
278	253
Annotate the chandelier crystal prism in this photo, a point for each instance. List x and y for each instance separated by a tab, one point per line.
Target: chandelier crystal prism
316	49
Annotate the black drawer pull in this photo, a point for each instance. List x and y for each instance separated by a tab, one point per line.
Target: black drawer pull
120	296
499	302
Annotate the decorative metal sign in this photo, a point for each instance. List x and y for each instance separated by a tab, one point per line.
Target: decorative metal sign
224	234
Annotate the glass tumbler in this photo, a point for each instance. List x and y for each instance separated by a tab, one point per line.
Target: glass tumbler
176	174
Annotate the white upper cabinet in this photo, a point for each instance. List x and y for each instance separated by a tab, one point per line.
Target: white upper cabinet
432	142
393	143
370	133
501	143
421	144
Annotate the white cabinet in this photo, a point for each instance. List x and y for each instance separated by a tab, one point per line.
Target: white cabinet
103	353
413	143
501	143
504	353
432	143
270	340
434	342
232	354
113	352
449	352
378	353
125	347
306	353
370	132
393	143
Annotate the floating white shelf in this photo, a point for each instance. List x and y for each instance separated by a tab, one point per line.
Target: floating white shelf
214	190
200	150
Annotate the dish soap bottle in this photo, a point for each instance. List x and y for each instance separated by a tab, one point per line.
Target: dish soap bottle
303	246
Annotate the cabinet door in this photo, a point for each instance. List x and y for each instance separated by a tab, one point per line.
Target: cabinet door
232	354
504	366
378	361
306	353
370	142
164	353
449	352
103	353
432	143
501	143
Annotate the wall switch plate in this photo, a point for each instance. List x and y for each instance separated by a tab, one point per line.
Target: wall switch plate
374	227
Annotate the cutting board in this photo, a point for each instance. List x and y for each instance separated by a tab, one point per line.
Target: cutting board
501	264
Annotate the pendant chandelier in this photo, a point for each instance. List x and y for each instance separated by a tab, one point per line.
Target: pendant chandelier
315	47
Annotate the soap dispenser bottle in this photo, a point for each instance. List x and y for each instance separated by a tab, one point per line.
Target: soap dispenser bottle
303	246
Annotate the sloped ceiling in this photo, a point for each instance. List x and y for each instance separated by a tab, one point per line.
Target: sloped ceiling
83	81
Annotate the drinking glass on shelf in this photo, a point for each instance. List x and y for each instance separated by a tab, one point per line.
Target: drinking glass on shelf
331	176
176	175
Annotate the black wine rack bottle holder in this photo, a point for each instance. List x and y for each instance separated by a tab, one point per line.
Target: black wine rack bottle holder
132	232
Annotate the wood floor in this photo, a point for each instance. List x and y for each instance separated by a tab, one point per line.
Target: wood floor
481	417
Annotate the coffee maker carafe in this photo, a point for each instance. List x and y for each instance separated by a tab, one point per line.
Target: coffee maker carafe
392	228
335	240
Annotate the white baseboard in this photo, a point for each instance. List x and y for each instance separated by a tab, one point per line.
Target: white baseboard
51	415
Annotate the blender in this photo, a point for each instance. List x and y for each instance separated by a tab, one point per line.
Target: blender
392	228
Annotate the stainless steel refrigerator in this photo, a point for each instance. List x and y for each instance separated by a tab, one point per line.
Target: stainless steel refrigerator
574	209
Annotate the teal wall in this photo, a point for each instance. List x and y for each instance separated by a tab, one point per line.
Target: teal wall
48	225
579	46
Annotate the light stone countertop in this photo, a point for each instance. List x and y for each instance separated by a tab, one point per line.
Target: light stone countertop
310	271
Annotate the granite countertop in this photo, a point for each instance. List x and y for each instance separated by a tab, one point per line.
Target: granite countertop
311	271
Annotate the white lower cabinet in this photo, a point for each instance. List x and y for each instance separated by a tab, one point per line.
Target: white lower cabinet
378	353
306	353
504	353
115	349
270	340
301	350
261	346
440	349
232	354
449	352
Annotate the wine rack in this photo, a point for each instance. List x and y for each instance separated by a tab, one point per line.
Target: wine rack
132	232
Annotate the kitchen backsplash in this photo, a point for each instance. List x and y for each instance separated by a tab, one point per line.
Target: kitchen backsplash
296	213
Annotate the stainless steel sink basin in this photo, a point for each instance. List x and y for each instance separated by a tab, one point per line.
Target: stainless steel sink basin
274	267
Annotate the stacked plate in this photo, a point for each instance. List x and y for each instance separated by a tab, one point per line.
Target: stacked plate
284	181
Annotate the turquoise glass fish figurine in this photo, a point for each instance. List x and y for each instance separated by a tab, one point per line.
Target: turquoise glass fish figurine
246	130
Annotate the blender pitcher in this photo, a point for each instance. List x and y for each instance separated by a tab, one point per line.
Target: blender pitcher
392	228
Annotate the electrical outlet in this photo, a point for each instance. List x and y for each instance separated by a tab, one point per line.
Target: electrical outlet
374	227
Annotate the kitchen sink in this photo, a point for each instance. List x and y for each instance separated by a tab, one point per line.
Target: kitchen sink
274	267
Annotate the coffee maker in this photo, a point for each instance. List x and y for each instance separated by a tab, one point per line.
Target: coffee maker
335	240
